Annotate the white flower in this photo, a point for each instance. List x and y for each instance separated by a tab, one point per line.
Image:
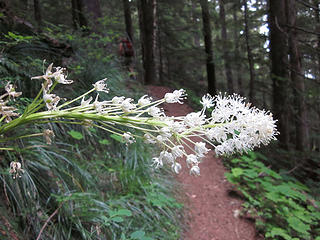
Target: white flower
176	167
175	97
156	162
127	106
192	160
99	106
177	126
48	135
117	100
60	77
166	157
155	111
7	111
218	133
207	101
51	100
165	132
195	170
144	100
47	76
128	138
85	103
194	119
11	91
148	138
177	151
15	169
200	149
101	86
161	139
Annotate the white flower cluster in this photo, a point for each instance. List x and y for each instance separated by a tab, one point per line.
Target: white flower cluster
233	126
239	127
7	112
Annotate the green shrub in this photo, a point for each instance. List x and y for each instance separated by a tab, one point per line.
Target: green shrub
282	206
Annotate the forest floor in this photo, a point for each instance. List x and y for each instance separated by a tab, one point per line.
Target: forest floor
210	210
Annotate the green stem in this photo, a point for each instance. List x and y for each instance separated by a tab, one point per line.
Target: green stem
19	137
7	149
76	99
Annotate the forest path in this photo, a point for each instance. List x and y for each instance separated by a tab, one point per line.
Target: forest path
209	209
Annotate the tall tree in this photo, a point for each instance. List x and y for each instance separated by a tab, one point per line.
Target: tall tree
78	17
225	50
146	23
37	13
208	47
317	17
93	7
127	19
279	65
249	52
302	138
236	37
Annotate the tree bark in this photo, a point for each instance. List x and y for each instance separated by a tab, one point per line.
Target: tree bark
279	65
249	53
78	17
208	47
302	136
37	14
236	37
93	6
224	38
146	22
127	19
317	17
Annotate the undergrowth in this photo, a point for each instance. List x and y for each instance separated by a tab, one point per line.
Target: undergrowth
283	207
86	185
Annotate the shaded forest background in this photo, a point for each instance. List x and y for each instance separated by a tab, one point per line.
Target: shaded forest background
267	51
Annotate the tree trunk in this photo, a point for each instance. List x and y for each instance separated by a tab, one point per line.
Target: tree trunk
75	17
82	19
236	36
93	7
279	64
37	14
127	19
146	21
249	53
300	114
78	18
208	47
224	37
317	17
194	17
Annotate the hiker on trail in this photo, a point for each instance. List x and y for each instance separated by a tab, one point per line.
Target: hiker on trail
127	53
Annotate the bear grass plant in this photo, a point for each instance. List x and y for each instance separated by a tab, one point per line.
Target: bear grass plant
283	207
86	185
111	194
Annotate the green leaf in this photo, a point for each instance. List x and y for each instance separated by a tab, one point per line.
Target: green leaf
124	212
298	225
104	141
278	232
117	219
75	134
236	172
146	238
137	234
117	138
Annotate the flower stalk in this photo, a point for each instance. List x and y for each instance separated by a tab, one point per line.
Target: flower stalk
233	126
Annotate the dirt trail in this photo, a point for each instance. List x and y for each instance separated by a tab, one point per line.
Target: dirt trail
210	210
